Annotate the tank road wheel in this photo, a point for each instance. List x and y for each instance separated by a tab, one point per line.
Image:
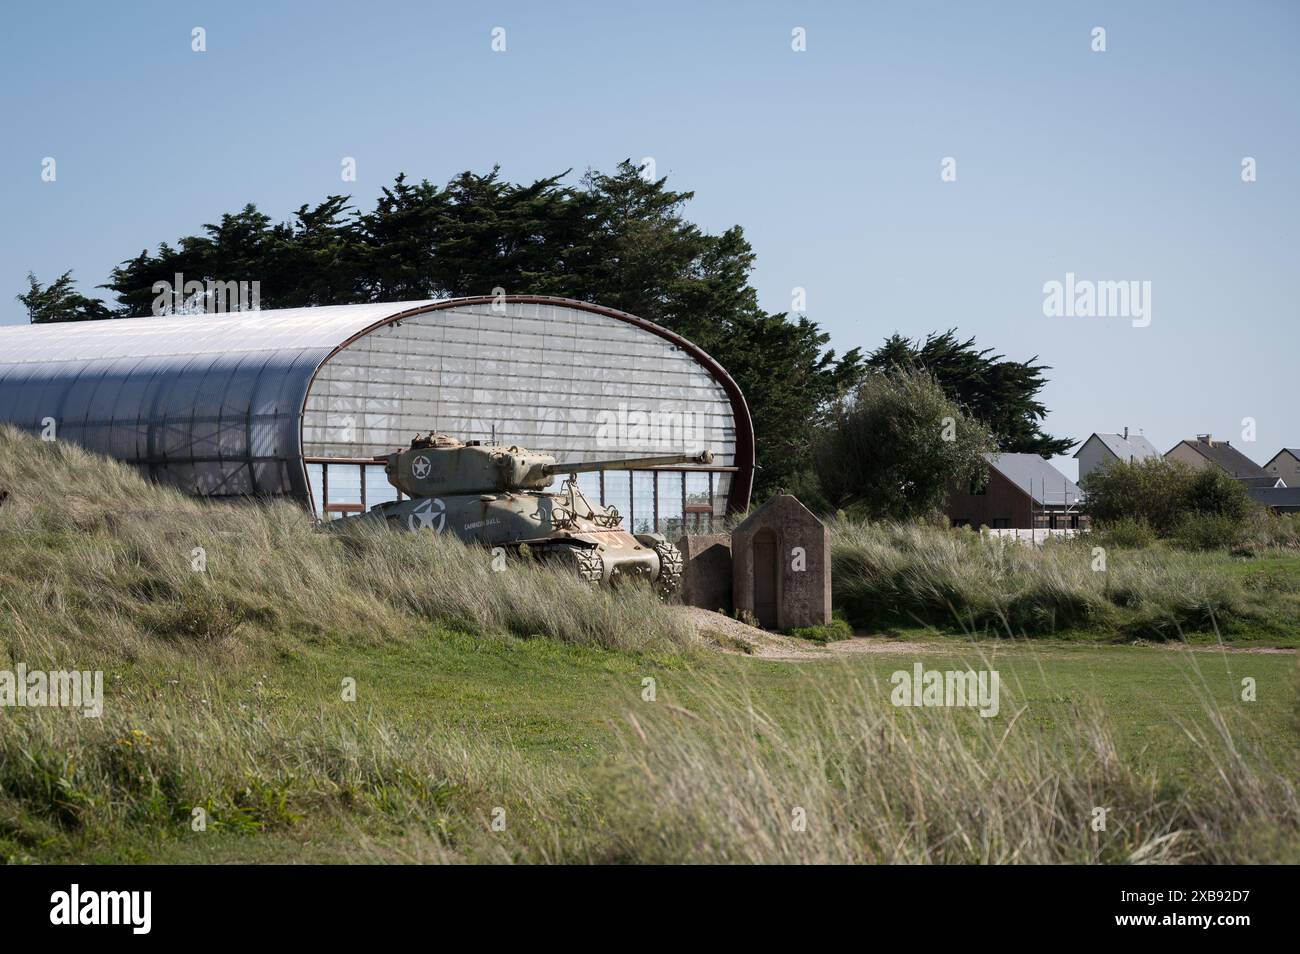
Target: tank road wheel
670	568
585	561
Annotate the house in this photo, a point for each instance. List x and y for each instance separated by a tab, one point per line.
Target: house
1285	465
1100	450
1023	492
1205	451
1277	499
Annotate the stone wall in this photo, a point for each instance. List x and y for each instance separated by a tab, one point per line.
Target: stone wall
706	571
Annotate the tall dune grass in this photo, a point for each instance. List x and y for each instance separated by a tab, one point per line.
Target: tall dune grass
853	779
888	574
90	552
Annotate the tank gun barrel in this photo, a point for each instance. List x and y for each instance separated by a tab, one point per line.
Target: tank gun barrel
626	463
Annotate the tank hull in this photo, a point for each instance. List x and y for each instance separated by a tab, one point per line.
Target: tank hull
496	495
545	523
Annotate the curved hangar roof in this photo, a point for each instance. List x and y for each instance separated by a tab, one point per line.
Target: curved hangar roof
234	404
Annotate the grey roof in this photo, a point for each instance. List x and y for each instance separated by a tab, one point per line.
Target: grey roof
285	329
1293	451
1282	498
1231	460
1043	482
1131	448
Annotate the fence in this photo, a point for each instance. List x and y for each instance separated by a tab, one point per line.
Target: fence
1036	537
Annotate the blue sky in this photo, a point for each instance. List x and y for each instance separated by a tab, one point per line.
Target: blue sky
1123	165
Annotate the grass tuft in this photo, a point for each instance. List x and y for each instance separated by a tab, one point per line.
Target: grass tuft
887	575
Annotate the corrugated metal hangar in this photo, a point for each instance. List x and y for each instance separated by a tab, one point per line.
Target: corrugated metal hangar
298	402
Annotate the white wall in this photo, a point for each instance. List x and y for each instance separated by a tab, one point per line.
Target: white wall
1092	455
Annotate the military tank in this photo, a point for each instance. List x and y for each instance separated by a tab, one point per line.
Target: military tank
497	495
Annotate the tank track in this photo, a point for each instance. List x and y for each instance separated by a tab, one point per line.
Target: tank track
670	569
585	561
590	565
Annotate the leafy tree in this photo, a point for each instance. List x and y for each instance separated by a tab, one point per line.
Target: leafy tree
478	234
790	384
313	260
60	301
317	260
897	445
1001	393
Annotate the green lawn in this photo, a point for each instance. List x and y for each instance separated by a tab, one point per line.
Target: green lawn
549	700
1148	693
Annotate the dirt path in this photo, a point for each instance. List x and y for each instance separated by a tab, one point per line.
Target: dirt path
1243	650
732	636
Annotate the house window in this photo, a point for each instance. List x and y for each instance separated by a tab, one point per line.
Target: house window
1001	523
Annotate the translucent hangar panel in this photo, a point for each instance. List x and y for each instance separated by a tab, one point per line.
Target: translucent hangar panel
221	425
210	404
668	501
558	379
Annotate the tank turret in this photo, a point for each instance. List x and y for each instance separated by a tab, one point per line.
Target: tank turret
438	465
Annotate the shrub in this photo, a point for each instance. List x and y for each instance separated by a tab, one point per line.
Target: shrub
1151	491
1213	492
1161	493
1208	531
